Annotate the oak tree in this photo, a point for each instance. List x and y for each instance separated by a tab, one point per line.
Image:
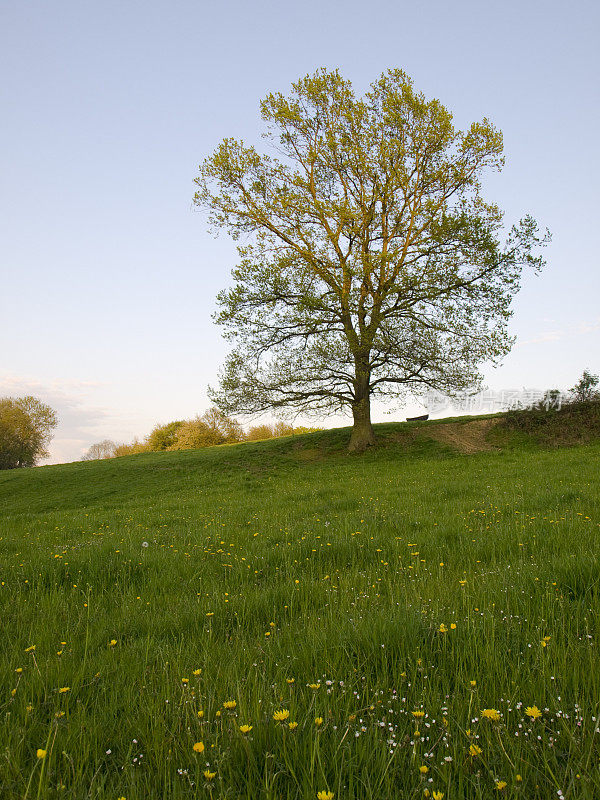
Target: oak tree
370	263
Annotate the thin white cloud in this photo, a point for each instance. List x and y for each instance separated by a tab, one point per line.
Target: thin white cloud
580	329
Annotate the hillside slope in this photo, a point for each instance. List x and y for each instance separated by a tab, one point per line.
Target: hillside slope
309	621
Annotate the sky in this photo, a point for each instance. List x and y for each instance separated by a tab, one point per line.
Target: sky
109	274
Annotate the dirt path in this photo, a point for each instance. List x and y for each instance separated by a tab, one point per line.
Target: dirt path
466	437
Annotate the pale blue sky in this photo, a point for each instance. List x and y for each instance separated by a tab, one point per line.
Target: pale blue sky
109	277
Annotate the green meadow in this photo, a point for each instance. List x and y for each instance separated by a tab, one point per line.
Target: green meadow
282	620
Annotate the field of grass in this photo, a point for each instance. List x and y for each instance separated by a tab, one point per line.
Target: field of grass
410	623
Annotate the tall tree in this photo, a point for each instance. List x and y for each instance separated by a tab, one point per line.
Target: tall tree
25	431
371	263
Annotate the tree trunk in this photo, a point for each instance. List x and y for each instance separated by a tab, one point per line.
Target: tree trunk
363	435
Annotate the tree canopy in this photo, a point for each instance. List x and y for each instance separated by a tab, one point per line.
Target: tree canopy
25	431
586	388
370	263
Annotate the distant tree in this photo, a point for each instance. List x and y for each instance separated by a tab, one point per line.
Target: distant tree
227	428
282	429
373	264
212	428
25	431
104	449
162	437
130	449
266	431
194	434
303	429
259	432
586	389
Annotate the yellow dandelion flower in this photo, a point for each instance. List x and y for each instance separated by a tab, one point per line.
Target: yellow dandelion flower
185	680
29	707
200	714
418	714
208	775
290	680
518	778
112	643
325	795
229	704
218	713
245	728
443	628
314	686
41	753
30	648
533	712
437	795
64	690
318	721
453	626
19	669
59	714
292	726
282	715
491	713
500	785
198	747
423	769
473	683
197	672
474	750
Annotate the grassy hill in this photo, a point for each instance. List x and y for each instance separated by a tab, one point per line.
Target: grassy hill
411	609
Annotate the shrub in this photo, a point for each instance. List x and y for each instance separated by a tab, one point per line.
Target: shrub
131	449
163	437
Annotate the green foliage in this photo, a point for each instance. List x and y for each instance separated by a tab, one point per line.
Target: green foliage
586	388
275	431
373	264
212	428
351	566
25	431
552	423
163	437
130	449
258	432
